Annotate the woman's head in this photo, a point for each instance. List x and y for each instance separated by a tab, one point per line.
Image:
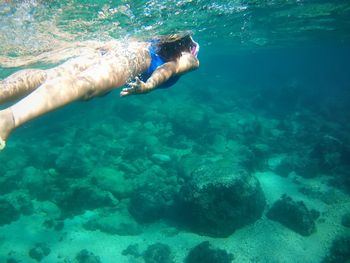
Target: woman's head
170	47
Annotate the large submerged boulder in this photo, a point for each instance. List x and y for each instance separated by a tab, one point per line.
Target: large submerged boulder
217	200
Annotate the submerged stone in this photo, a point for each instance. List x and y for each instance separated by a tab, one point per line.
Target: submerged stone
158	253
147	206
204	253
73	162
339	250
40	251
294	215
218	200
132	250
345	221
85	256
111	180
8	212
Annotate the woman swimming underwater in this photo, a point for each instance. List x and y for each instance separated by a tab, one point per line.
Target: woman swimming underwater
143	66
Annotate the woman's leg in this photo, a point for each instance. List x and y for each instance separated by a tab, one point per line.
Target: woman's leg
20	84
25	81
7	124
107	72
58	92
51	95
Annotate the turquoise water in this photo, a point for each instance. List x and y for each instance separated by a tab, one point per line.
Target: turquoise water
270	101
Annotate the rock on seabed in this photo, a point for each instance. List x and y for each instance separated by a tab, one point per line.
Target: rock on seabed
218	200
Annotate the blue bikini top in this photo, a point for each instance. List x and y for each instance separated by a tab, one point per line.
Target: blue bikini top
157	61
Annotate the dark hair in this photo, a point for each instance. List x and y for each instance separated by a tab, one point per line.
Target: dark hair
170	47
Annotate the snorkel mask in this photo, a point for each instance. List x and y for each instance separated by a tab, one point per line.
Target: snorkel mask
194	47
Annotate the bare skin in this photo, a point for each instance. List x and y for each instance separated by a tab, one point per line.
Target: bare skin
95	73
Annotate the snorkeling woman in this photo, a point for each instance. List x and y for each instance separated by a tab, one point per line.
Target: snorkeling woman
143	66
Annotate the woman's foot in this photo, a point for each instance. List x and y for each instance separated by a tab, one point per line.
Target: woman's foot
7	124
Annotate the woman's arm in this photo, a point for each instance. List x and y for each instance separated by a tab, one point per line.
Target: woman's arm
184	64
187	62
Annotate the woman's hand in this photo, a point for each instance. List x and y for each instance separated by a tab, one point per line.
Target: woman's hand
136	87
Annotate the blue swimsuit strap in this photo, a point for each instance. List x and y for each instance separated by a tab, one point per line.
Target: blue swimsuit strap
156	60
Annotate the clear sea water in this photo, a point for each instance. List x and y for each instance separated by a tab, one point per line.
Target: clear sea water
274	84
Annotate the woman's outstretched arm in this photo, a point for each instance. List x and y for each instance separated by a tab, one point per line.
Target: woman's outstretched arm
184	64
